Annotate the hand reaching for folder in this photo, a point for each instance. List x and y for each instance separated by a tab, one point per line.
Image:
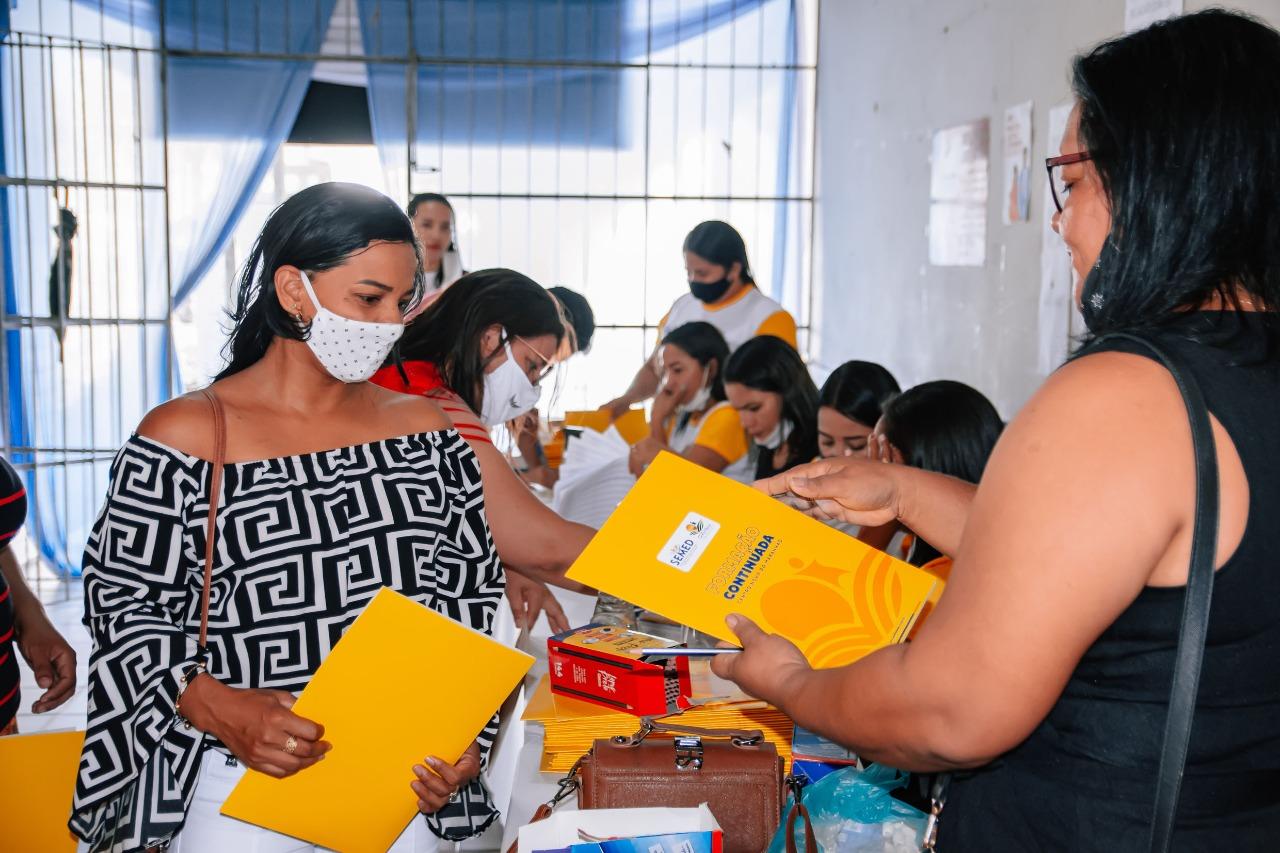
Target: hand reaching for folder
529	599
856	491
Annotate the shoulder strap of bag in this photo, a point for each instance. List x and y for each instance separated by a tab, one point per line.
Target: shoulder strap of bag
215	491
1195	607
810	839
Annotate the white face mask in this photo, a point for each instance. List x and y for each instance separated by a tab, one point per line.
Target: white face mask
508	393
699	400
351	350
774	440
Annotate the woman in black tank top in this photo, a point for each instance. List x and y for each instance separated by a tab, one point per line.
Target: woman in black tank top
1041	679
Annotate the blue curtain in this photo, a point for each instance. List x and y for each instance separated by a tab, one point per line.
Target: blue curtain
538	104
459	102
785	174
246	106
226	120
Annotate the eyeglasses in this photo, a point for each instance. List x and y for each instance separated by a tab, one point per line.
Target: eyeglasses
1056	185
547	364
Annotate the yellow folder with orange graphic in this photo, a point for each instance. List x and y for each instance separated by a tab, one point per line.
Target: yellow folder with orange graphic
695	546
403	683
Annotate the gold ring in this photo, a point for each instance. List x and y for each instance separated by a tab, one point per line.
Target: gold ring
290	744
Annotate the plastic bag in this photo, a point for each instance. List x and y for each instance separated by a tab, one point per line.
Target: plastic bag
852	812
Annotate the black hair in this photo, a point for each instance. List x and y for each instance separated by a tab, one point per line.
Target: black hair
1182	120
943	426
704	344
858	390
721	244
768	363
582	320
436	198
448	333
316	229
946	427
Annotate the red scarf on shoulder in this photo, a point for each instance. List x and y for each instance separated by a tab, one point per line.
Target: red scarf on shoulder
425	381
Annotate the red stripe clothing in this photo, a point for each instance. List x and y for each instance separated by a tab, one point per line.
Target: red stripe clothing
425	380
13	512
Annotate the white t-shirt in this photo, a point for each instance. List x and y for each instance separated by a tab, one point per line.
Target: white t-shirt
749	314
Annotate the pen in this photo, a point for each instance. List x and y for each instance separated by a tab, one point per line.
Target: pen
690	653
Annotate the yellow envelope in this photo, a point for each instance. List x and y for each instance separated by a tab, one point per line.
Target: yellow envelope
632	426
403	683
597	420
37	780
695	546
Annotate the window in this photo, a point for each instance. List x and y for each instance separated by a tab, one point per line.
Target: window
579	139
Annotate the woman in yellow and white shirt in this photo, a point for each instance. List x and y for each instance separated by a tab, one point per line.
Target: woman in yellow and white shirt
723	293
690	415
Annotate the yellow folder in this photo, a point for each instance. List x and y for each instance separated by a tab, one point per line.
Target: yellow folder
695	546
403	683
595	420
632	426
37	779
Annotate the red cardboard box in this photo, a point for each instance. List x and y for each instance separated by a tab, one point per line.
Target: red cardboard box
603	664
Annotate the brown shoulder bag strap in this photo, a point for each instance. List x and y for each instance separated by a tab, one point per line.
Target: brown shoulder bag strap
215	491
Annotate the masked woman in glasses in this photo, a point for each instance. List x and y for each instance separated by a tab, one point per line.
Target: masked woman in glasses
1042	678
481	351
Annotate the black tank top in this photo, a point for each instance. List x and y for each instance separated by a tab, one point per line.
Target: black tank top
1084	780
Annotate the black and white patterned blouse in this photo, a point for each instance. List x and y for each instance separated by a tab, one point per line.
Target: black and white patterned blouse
304	542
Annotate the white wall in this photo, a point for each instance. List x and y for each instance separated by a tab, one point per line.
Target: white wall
890	73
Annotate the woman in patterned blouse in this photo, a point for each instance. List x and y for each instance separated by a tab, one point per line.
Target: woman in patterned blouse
333	488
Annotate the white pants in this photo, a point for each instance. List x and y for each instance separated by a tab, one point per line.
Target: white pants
207	831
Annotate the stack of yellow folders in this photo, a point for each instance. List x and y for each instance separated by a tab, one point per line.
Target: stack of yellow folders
695	546
403	683
571	725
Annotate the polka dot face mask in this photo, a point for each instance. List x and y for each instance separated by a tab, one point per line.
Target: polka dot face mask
351	350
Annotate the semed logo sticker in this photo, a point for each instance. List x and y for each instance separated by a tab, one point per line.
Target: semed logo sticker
688	542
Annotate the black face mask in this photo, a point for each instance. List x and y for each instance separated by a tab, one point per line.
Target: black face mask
709	291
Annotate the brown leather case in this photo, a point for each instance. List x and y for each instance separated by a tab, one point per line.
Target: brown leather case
736	773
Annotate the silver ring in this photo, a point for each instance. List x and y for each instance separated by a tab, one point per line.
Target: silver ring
453	798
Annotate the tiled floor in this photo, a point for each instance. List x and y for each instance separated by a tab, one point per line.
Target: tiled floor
65	615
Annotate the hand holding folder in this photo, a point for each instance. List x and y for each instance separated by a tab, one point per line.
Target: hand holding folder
385	705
